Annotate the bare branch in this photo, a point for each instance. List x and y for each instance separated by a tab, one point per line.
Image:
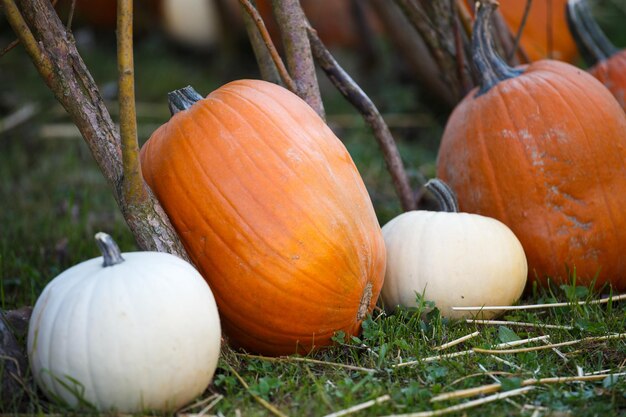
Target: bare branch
520	30
265	43
133	186
353	93
293	29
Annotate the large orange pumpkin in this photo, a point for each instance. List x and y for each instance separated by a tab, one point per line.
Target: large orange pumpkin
273	212
606	62
542	149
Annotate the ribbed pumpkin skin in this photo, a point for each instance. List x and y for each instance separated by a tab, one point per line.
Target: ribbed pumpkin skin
612	73
545	154
274	213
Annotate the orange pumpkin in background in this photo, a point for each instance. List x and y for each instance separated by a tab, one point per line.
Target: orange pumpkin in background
272	210
545	34
606	62
542	149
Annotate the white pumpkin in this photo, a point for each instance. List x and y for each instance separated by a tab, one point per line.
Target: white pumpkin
193	23
453	259
132	333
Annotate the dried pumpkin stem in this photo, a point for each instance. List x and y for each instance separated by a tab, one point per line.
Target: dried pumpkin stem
182	99
111	253
592	43
490	67
443	194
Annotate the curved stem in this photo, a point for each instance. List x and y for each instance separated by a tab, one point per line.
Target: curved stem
491	69
592	43
179	100
443	194
110	251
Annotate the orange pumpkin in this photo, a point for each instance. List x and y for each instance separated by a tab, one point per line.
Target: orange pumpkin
542	149
607	63
273	212
545	33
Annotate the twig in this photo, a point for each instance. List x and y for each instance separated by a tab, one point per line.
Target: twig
355	95
360	407
134	188
16	42
269	45
434	358
520	30
537	306
461	63
490	388
521	342
307	360
71	15
457	341
519	323
468	352
18	117
10	46
258	399
550	346
292	24
467	405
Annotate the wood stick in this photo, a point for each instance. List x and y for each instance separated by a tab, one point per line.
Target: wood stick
537	306
550	346
457	341
134	189
490	388
520	324
467	405
360	407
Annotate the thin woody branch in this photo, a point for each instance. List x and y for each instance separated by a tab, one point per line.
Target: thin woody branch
133	186
265	43
53	51
293	29
355	95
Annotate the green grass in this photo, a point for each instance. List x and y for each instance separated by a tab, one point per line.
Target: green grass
53	199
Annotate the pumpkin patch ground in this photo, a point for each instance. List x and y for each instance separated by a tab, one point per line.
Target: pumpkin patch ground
560	350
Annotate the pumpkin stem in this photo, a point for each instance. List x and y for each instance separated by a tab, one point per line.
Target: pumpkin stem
110	251
491	69
592	43
179	100
444	195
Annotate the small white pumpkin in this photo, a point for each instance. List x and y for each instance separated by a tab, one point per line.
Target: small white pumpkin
452	258
132	333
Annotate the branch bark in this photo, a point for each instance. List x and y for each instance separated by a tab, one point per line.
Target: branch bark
293	30
53	51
